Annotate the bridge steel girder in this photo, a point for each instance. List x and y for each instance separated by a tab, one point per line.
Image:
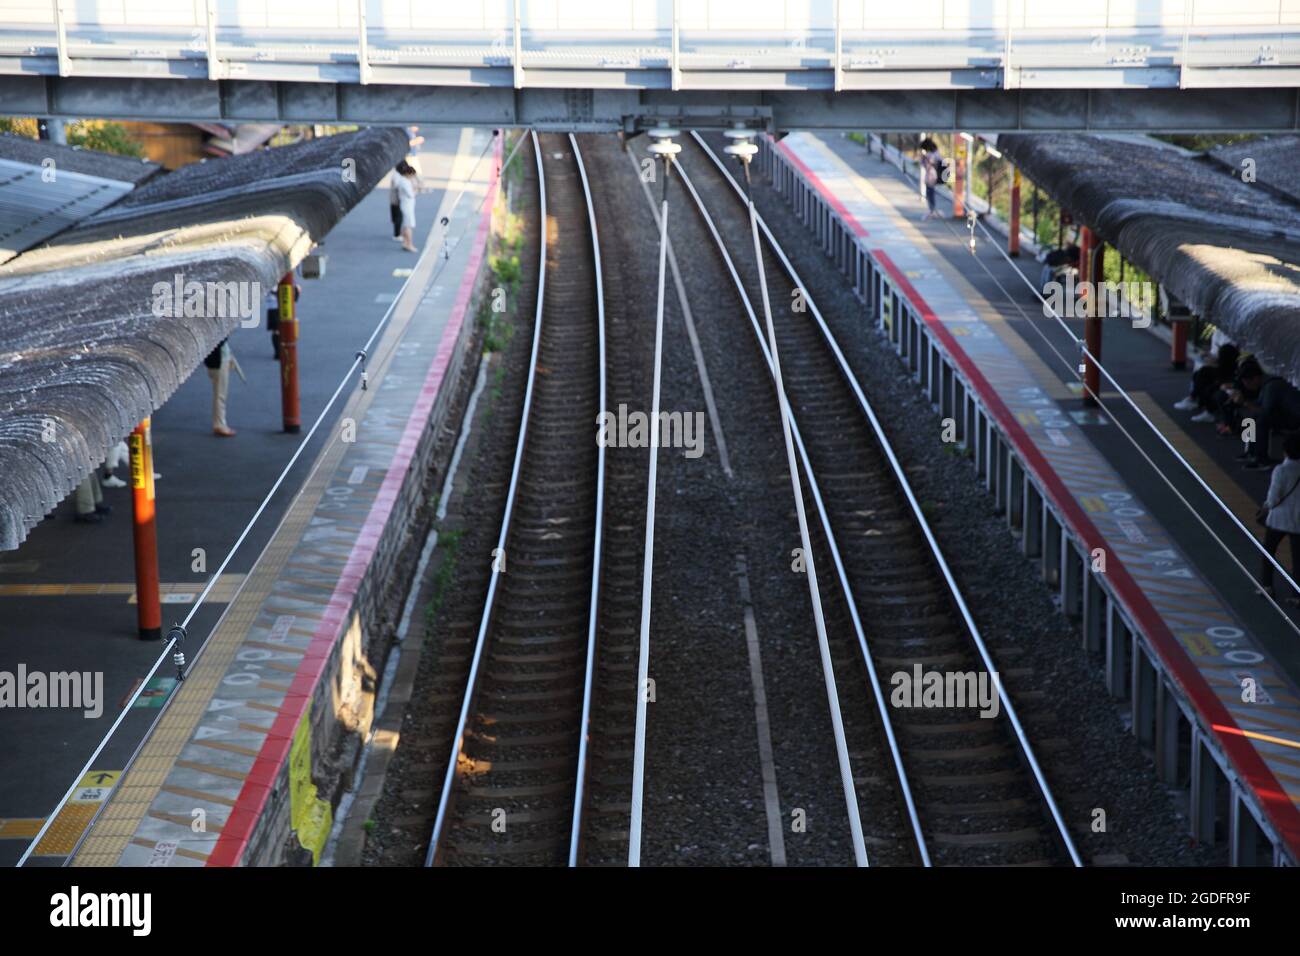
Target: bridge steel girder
602	110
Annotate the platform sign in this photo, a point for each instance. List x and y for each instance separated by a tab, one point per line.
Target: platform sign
155	693
92	790
95	786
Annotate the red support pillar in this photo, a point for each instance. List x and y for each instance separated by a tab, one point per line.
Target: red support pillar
1091	256
1013	232
1178	346
289	355
959	177
147	600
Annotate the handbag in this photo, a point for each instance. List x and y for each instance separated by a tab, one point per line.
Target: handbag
1261	513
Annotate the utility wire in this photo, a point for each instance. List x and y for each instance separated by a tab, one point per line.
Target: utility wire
177	634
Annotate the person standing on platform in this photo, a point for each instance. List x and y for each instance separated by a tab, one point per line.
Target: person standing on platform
119	454
931	174
89	501
218	364
406	190
395	205
1280	513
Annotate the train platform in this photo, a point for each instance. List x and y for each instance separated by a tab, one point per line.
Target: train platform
1206	669
184	781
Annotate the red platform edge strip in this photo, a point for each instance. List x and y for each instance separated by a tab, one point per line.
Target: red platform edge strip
830	197
239	826
1277	805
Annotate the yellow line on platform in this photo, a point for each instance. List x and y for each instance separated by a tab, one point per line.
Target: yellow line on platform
1267	738
20	828
198	795
131	801
1231	493
222	592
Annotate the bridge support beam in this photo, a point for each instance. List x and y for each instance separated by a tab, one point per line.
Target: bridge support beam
165	96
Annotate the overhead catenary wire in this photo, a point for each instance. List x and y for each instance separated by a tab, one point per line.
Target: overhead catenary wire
179	631
1082	346
924	524
1163	477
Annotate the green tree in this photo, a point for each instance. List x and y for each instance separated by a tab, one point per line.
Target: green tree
103	136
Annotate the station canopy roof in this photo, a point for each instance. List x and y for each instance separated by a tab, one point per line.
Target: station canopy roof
1227	247
93	336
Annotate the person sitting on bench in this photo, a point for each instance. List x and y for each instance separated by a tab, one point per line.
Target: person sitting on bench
1276	408
1204	395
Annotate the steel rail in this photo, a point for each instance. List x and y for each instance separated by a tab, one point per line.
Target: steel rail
449	778
575	835
174	642
647	567
823	643
936	552
824	519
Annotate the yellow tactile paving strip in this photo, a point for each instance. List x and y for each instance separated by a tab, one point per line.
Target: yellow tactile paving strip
72	820
68	827
117	824
131	801
1233	495
22	828
222	592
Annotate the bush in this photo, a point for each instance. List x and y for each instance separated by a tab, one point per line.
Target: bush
103	136
19	126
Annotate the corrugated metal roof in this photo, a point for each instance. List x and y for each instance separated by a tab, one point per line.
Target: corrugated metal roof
74	159
86	352
37	202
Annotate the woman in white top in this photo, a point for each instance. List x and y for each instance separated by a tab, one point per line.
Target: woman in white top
1281	511
405	185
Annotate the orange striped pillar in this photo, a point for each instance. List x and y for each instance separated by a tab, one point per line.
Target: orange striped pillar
290	411
1013	232
148	602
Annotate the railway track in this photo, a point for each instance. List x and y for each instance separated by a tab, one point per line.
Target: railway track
969	788
513	790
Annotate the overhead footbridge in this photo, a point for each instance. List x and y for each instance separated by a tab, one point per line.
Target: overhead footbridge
1004	65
